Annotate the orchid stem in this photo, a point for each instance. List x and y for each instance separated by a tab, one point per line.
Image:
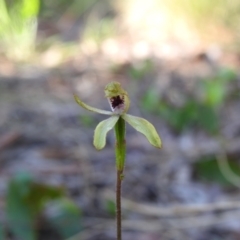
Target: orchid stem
119	102
120	150
118	205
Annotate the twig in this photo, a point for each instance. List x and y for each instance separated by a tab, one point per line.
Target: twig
213	147
176	210
182	223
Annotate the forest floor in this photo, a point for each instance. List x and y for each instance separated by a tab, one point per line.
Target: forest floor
44	132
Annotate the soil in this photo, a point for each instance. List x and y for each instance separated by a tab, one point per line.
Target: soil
43	131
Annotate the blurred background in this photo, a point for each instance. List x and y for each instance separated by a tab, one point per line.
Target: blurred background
179	61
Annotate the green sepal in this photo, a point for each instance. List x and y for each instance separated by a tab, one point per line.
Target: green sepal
144	127
89	108
100	133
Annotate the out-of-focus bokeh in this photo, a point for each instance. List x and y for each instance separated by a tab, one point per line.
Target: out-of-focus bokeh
179	61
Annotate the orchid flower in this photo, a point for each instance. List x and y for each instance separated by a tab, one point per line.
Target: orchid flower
119	103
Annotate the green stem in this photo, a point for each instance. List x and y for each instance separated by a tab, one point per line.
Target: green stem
120	150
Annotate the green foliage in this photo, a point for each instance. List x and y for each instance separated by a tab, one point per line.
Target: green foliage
139	70
214	90
207	169
26	199
204	13
77	7
54	9
191	114
198	10
87	120
110	207
208	118
98	31
151	100
67	218
29	9
185	116
2	233
18	27
201	111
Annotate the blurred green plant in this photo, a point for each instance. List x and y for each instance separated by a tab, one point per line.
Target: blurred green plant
141	69
92	20
2	232
110	207
98	31
86	120
26	200
204	14
207	169
66	218
202	111
192	113
214	90
198	10
151	101
55	9
18	27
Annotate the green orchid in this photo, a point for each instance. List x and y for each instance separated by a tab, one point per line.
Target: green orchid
119	103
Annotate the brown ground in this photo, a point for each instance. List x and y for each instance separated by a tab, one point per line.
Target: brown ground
43	131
